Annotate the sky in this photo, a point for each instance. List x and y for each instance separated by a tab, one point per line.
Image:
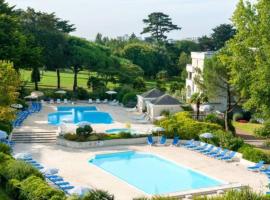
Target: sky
119	17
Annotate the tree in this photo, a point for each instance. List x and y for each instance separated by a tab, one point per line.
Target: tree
221	34
139	84
206	43
35	76
217	82
198	99
250	55
184	59
9	84
158	24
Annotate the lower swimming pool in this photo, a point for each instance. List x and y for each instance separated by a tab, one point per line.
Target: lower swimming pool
152	174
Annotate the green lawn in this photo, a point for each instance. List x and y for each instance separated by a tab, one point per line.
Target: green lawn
248	128
49	80
3	195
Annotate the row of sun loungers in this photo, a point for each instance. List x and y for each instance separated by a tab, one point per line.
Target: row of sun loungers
105	101
201	147
57	180
21	116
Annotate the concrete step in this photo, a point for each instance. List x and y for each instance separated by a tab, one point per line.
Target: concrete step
34	137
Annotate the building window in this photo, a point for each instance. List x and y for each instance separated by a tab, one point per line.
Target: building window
189	75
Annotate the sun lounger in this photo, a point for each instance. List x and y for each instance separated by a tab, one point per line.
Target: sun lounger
193	145
58	101
266	171
65	101
214	152
66	187
90	101
61	183
163	140
56	179
105	101
140	117
221	154
208	149
131	109
150	140
98	101
188	143
51	101
175	141
257	166
201	147
228	157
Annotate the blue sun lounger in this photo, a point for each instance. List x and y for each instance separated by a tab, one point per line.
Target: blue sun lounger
163	140
228	157
193	145
214	152
61	183
257	166
150	140
66	187
201	147
208	149
175	141
221	154
266	171
189	143
57	179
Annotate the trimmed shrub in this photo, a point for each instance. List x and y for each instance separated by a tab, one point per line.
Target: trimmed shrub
213	118
237	116
4	148
70	136
129	99
165	113
6	126
82	94
264	131
253	154
183	125
84	131
4	157
35	188
19	170
122	91
125	135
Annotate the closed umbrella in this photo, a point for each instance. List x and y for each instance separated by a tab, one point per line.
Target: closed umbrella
3	135
17	106
80	191
37	93
83	124
207	135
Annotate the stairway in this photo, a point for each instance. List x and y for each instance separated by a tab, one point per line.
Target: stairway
34	137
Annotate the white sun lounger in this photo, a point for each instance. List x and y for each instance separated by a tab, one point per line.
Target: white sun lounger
51	101
65	101
90	101
58	101
98	101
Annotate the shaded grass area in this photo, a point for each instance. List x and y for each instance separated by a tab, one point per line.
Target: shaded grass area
3	195
248	128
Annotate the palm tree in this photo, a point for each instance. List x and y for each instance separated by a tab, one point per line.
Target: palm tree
198	99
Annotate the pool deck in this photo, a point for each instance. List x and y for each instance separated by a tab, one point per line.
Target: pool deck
38	122
75	168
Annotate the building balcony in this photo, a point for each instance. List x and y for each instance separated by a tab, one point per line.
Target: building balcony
190	68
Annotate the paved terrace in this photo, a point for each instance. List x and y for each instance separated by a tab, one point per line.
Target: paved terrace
74	167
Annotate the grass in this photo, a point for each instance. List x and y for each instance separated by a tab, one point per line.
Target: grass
248	128
49	80
3	195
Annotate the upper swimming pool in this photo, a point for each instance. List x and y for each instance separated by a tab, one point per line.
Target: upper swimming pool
152	174
76	114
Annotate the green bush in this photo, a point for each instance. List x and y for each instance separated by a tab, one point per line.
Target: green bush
129	99
122	91
4	157
13	188
157	198
6	126
165	113
244	194
98	195
253	121
84	131
71	137
264	131
82	94
213	118
5	148
19	170
35	188
255	155
183	125
125	135
139	84
237	116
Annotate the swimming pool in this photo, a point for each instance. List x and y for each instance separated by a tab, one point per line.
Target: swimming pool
152	174
76	114
120	130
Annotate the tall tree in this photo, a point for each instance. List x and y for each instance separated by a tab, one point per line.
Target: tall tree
158	24
9	84
206	43
221	34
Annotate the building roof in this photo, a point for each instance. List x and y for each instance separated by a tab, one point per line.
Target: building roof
165	100
154	93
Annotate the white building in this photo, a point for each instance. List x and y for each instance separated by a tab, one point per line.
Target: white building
198	59
148	96
163	103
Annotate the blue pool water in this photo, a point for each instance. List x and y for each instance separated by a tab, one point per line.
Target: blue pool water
152	174
76	114
120	130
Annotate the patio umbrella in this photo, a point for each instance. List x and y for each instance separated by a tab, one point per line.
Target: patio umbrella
17	106
22	156
37	94
111	92
83	124
158	129
31	97
160	118
60	92
81	191
207	135
3	135
50	171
